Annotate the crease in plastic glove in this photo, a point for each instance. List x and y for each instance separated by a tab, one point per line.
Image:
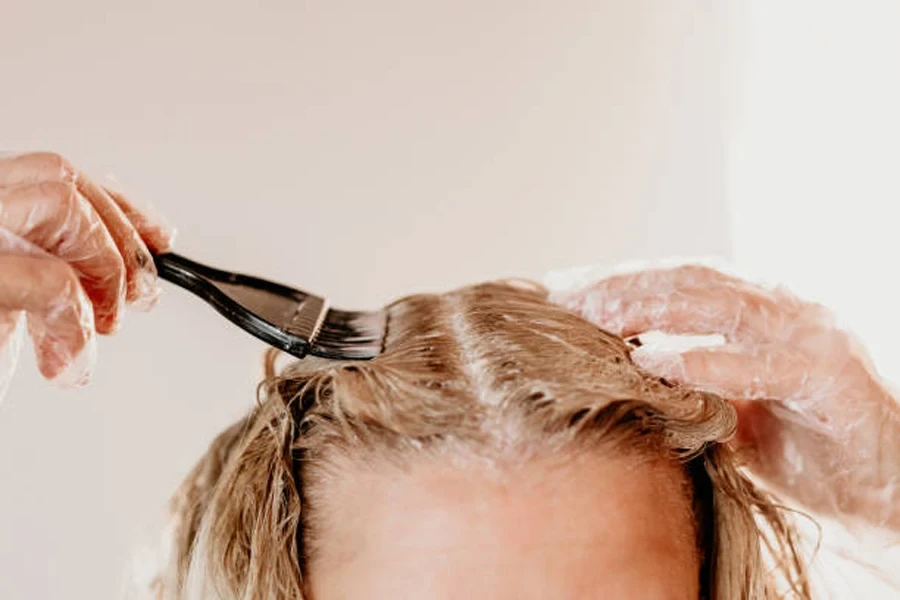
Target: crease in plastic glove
821	425
72	255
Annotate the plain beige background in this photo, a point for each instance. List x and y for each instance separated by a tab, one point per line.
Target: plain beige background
361	150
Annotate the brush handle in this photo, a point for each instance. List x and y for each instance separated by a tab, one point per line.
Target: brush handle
253	304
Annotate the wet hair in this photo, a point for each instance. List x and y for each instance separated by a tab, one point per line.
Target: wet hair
493	367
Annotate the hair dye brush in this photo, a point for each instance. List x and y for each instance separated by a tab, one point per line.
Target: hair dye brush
289	319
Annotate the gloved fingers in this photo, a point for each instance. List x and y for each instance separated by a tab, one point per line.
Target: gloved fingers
818	422
59	314
55	217
140	272
42	167
693	300
34	167
825	394
734	314
153	228
64	357
773	371
630	286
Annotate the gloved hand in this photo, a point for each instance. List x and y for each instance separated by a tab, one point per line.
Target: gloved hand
821	425
72	254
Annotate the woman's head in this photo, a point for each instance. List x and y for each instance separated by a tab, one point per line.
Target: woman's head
500	447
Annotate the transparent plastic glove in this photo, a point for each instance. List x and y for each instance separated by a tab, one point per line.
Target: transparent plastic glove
72	254
821	425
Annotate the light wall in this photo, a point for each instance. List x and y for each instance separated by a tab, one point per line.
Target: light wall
361	150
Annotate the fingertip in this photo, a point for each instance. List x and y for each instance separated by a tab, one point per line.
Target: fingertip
141	272
164	239
158	234
64	366
151	224
665	364
65	341
145	289
108	322
77	371
107	326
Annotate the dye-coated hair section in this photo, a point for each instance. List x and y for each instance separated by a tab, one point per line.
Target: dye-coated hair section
492	368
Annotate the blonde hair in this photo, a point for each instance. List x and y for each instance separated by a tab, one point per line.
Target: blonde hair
495	367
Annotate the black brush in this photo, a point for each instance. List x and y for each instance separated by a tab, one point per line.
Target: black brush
289	319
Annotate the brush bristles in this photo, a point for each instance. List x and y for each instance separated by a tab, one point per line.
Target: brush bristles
350	335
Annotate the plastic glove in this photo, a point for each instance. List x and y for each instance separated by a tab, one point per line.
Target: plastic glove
72	254
822	427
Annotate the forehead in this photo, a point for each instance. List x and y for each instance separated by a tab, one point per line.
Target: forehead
570	529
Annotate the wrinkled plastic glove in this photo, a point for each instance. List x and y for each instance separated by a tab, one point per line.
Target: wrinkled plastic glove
821	425
72	255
